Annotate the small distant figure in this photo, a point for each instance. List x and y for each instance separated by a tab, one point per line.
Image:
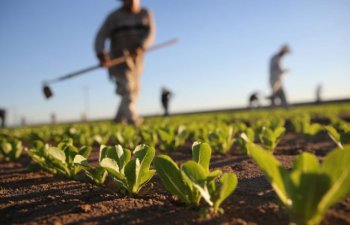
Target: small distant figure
3	117
23	122
165	97
53	118
318	93
83	117
277	72
254	100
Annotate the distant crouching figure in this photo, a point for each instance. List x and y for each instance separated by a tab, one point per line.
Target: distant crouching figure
254	100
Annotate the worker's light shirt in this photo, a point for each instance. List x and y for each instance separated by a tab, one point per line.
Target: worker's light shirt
276	73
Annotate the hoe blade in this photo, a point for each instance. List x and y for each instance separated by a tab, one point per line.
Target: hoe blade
47	91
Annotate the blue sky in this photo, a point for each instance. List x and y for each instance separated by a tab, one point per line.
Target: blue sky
222	55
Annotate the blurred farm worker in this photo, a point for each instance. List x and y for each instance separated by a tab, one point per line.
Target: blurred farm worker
130	30
3	117
165	97
277	72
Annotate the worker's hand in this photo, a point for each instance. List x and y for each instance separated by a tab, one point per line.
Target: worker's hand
139	51
129	58
104	58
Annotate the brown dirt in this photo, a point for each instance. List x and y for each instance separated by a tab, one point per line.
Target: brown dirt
42	198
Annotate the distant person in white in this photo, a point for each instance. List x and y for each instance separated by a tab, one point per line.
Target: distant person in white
277	73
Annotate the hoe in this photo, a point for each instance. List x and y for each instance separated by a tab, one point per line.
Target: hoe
48	92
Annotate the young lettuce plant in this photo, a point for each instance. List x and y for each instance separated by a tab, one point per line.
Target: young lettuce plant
269	138
299	122
302	124
132	174
39	154
221	139
79	135
193	180
97	174
58	159
244	138
172	138
340	138
101	138
149	137
309	189
312	129
10	150
125	136
334	135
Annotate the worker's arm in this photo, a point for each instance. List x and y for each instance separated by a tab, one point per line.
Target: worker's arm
101	53
151	33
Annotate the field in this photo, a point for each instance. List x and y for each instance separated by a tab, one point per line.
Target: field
51	194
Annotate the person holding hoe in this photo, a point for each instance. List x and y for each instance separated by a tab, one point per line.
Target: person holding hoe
130	30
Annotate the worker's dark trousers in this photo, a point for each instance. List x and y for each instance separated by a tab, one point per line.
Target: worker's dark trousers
281	96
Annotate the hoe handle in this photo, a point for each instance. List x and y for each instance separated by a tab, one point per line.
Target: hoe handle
76	73
114	62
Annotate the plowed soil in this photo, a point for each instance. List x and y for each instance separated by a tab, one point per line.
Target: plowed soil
42	198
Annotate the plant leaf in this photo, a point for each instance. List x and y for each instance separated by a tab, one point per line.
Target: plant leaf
274	172
195	172
334	135
112	167
201	153
336	166
57	154
309	187
85	151
131	172
81	161
171	177
227	184
145	155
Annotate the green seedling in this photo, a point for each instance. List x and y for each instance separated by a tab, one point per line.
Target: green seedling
244	138
149	137
273	124
269	138
221	139
10	150
334	135
58	159
309	189
340	138
172	138
193	180
132	174
302	124
102	138
312	129
97	175
126	136
80	136
299	122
